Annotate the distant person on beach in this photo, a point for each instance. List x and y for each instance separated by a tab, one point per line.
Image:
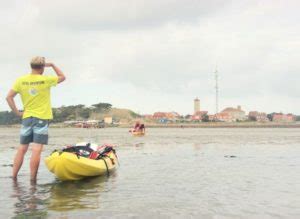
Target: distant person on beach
34	89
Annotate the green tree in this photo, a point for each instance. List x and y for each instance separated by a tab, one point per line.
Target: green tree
84	113
270	116
134	115
205	118
102	107
9	118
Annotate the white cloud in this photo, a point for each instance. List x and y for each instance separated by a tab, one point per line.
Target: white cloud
116	14
153	55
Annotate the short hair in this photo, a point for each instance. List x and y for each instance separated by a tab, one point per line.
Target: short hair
37	62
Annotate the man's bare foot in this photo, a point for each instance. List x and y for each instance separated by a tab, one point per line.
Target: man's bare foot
14	178
33	182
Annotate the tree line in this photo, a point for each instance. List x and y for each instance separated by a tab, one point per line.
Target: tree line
61	114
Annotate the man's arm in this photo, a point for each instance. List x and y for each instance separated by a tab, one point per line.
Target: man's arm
59	73
11	102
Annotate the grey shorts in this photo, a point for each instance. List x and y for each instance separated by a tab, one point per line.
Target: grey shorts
34	130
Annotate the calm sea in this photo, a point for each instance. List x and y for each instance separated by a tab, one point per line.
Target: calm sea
169	173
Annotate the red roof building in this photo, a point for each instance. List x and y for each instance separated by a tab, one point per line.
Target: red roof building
224	117
159	115
199	115
166	115
279	117
233	114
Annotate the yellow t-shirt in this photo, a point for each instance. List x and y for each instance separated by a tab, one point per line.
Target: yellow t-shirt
35	95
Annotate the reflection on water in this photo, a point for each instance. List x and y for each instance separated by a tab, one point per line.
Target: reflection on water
84	194
30	200
35	200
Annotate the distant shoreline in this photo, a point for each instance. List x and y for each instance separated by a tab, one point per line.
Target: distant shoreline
226	125
185	125
223	125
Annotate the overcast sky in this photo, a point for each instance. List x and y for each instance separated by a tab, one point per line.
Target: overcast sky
158	55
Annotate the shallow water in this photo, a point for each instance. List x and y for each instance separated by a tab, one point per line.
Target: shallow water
201	173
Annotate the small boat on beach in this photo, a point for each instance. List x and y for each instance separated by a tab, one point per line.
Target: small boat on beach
78	162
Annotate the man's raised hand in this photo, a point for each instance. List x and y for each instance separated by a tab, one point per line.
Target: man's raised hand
48	64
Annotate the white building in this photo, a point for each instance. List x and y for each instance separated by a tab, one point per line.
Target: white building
236	114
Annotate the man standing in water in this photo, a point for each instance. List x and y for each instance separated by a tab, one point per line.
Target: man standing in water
34	89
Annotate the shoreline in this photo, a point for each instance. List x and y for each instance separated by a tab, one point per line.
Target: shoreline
185	125
223	125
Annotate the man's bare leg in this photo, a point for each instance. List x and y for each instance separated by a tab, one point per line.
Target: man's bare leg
35	160
18	161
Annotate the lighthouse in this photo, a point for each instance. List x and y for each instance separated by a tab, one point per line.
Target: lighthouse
196	106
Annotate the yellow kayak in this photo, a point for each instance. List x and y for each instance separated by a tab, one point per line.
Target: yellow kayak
138	133
69	166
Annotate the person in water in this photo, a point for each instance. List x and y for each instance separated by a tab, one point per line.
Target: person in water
142	128
139	127
34	89
136	127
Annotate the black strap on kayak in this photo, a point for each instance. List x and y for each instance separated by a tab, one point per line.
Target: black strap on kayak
107	171
106	151
104	154
115	153
74	149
